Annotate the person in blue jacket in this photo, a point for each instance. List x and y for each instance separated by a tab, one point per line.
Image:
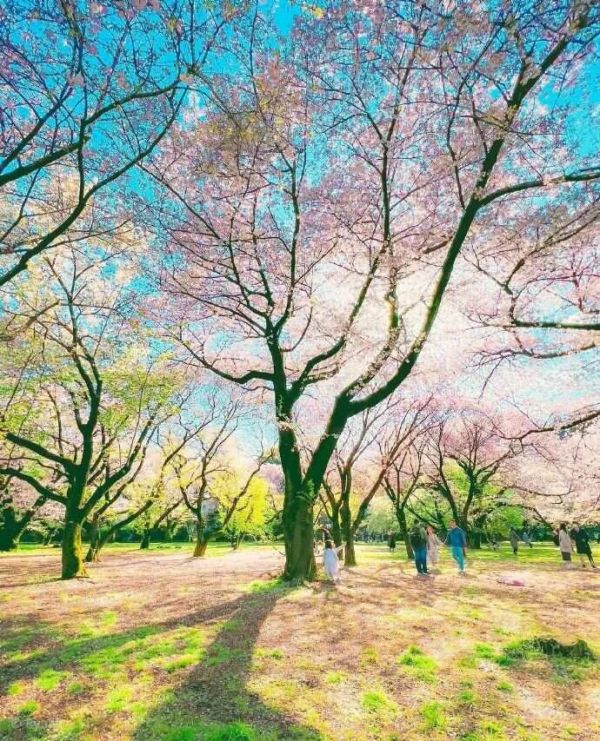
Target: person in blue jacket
457	541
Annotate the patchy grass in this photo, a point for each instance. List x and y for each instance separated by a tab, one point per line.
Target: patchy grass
160	646
417	664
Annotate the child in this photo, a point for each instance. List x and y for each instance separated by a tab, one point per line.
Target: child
331	561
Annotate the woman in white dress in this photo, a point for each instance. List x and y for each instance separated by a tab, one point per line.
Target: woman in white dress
331	561
433	547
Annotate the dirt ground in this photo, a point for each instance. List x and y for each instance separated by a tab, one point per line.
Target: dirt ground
159	645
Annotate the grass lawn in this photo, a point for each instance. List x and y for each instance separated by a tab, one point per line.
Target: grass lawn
157	645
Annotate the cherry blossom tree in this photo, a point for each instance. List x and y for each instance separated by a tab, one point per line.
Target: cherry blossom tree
364	156
86	402
87	91
370	447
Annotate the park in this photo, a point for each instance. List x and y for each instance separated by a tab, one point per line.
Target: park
299	361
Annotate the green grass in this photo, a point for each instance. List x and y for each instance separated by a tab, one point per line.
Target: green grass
377	703
434	718
416	663
317	664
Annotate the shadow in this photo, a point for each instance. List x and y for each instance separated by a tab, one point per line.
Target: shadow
213	695
215	701
30	631
31	582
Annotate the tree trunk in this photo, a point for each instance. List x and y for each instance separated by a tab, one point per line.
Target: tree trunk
336	530
349	552
92	554
473	539
298	531
9	538
72	556
11	530
201	540
145	544
403	527
347	531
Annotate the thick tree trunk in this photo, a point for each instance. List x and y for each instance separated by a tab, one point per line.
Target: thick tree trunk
201	540
349	552
403	527
9	538
11	529
298	531
145	544
72	555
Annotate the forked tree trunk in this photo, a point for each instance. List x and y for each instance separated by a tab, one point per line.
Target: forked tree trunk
72	555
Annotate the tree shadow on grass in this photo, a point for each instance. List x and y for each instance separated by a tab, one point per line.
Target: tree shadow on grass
214	702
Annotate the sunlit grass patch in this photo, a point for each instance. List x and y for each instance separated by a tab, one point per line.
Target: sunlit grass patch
72	728
118	699
29	707
263	586
268	653
336	677
369	656
416	663
49	679
377	703
16	688
433	716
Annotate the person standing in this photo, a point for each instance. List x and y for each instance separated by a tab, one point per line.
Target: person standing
331	561
392	541
565	544
513	536
457	541
433	547
418	542
582	545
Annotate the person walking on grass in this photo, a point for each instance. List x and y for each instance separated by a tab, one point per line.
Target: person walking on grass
418	541
433	547
391	539
457	541
513	536
582	546
331	561
565	544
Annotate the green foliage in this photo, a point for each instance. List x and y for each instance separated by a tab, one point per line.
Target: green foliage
380	519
